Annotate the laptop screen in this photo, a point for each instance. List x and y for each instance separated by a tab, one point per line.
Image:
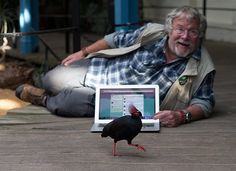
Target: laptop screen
114	101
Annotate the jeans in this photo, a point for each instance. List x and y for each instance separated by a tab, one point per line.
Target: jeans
68	97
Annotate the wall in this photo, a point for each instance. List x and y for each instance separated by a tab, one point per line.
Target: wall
221	15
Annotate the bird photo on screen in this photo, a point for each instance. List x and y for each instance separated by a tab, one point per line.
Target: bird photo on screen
124	128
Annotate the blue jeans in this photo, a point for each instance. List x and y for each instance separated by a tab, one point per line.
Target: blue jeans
68	95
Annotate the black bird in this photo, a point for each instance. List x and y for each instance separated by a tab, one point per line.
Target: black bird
124	128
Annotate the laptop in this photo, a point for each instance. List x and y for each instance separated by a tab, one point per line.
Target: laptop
112	101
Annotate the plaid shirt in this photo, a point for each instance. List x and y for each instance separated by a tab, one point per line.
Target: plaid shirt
146	65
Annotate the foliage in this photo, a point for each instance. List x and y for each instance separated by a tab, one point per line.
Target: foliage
7	17
96	16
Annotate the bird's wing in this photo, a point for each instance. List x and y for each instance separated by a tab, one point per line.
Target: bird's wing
112	127
119	129
119	125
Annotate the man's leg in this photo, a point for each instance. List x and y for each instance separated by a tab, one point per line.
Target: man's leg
66	83
72	102
65	76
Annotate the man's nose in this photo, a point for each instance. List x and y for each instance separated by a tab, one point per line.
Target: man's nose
185	34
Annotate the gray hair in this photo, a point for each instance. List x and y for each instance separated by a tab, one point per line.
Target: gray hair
191	13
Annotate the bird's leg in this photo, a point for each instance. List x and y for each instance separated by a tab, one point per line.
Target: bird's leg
137	146
114	150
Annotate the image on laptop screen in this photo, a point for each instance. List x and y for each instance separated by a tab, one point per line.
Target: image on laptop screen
114	103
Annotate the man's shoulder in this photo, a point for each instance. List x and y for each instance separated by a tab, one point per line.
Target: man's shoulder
205	56
154	26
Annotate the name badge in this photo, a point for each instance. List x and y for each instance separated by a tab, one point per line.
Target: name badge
183	80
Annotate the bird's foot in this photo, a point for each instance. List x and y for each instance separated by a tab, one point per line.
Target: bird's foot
138	146
116	154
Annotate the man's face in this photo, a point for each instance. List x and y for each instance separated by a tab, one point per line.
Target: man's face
184	36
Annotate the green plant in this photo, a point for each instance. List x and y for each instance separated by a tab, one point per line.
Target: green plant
6	25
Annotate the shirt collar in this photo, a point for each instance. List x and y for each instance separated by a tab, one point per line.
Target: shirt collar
197	54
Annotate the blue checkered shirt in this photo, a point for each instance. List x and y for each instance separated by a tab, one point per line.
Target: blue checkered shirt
146	65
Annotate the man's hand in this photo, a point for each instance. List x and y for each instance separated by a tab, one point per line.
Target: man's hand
169	118
72	58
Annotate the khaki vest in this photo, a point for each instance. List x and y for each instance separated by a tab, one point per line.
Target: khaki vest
152	33
180	93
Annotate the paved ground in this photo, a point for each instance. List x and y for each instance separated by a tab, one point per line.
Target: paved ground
33	139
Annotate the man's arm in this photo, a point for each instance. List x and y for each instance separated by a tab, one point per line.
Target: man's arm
170	118
201	105
113	40
98	45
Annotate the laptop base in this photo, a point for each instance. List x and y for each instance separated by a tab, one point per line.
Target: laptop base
155	127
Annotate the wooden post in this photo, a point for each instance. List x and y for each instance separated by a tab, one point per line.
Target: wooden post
126	14
29	17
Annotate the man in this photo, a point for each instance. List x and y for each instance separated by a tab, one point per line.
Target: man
171	56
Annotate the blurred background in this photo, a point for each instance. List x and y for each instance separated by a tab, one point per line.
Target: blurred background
75	19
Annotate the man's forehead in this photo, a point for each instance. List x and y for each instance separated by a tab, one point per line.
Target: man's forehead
185	19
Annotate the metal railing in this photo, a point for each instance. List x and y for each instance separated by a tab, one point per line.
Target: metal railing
48	49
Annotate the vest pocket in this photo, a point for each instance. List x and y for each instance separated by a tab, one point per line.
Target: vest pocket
178	97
